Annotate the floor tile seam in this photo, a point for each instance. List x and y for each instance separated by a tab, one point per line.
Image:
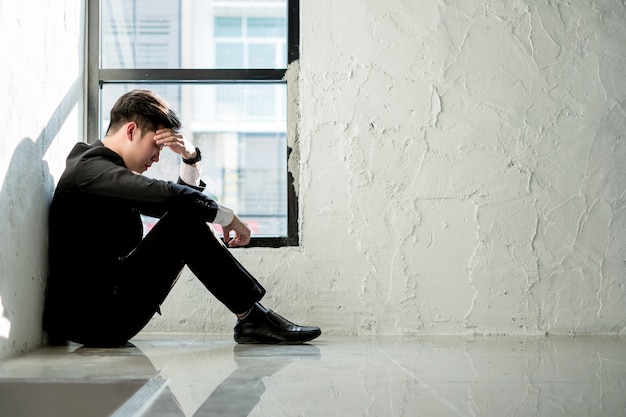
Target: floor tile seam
421	382
143	399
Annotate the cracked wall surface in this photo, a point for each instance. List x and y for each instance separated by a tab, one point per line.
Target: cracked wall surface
462	169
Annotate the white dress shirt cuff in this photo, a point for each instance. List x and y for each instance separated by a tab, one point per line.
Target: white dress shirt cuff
190	174
224	216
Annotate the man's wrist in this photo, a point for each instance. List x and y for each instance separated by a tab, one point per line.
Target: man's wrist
197	158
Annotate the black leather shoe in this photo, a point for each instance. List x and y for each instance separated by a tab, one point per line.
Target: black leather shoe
264	326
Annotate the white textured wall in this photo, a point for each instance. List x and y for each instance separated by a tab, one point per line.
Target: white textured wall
462	169
40	90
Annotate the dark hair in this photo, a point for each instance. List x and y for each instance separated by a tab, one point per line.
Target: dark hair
145	108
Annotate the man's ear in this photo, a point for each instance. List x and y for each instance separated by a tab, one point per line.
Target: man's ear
131	128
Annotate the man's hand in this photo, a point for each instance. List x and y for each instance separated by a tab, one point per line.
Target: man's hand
176	142
242	233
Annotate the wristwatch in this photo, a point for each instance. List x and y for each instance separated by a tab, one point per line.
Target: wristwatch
192	161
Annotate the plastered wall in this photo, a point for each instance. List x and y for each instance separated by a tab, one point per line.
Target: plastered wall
462	169
40	115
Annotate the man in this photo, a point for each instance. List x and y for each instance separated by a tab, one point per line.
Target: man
105	280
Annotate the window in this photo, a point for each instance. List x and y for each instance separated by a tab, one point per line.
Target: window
221	65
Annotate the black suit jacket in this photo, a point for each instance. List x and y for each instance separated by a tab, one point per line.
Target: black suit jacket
95	220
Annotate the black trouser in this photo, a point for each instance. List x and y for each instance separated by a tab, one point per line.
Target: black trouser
145	277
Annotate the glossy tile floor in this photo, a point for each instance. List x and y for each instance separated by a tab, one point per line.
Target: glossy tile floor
191	375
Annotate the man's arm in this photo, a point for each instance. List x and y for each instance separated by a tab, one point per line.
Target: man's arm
100	171
190	175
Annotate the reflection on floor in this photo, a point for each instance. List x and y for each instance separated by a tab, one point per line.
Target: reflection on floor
191	375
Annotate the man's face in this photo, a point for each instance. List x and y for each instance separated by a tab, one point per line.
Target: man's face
143	151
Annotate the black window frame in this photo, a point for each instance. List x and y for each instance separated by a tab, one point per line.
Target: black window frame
97	77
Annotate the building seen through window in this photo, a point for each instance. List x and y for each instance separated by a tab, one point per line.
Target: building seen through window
240	126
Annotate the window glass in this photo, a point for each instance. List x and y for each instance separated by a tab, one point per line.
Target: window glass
198	34
228	27
193	52
140	34
229	55
260	27
262	56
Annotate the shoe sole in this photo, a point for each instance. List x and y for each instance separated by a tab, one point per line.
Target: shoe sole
243	340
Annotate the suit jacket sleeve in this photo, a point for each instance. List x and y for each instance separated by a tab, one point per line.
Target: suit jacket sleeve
101	172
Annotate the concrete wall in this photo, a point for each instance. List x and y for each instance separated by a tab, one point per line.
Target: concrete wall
41	86
462	170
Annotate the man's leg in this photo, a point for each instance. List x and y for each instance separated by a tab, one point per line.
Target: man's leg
149	272
234	286
220	272
139	284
